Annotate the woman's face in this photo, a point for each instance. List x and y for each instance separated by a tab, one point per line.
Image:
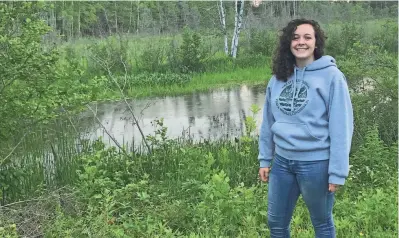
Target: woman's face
304	43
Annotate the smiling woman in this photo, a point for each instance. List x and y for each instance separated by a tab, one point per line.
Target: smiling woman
303	45
306	130
300	40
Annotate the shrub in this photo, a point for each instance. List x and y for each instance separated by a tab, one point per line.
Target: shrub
263	42
341	38
386	37
109	55
372	76
152	60
374	165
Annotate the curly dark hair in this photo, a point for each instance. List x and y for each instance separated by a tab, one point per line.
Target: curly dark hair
284	60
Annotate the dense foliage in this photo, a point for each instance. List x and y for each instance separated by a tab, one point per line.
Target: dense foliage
34	83
182	189
207	189
75	19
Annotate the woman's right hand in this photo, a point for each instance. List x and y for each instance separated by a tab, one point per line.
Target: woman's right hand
264	174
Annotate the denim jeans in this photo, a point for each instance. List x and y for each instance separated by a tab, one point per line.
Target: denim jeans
290	178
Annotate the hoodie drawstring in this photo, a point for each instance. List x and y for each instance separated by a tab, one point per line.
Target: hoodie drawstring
300	82
295	93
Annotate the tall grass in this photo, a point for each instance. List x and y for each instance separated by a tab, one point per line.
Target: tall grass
132	55
137	45
45	160
198	83
212	189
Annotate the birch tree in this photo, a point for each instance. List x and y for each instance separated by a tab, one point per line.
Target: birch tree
239	10
222	17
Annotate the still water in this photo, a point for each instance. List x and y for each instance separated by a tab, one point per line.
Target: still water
211	115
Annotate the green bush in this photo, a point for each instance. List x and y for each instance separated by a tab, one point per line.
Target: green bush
109	55
372	76
219	62
198	190
152	60
252	61
190	53
263	42
342	37
386	37
9	231
373	164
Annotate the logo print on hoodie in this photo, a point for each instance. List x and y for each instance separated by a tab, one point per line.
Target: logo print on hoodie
293	97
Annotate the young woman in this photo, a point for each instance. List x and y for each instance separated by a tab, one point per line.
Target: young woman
306	132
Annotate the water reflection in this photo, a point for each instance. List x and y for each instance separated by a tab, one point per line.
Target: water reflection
212	115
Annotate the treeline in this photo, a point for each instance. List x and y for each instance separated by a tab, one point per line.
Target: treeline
74	19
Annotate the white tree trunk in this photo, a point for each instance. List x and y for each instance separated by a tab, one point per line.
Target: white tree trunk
222	17
237	28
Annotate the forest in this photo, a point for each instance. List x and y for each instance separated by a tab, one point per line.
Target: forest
156	68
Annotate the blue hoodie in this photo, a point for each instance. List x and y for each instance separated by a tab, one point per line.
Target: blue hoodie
309	118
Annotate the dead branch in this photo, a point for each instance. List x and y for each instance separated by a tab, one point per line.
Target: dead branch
110	136
135	121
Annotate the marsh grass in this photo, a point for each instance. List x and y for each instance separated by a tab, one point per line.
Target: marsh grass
136	55
208	188
44	160
212	189
199	83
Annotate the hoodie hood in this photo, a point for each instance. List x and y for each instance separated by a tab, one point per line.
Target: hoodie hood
321	63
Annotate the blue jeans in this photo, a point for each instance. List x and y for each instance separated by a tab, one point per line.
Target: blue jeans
287	180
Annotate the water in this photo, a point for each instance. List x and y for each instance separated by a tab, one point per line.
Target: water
219	114
211	115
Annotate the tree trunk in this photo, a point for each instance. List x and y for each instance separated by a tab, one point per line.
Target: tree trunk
138	17
53	21
180	22
106	19
130	16
222	17
295	4
238	22
79	33
63	19
116	18
160	18
73	20
271	10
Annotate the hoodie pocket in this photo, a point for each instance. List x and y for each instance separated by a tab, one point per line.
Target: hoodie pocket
293	135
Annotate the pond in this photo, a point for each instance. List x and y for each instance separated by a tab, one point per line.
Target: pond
50	154
217	114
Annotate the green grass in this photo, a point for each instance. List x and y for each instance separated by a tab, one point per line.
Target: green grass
200	83
207	189
212	190
250	71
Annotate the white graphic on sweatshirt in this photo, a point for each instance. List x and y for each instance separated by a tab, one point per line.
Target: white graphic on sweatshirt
291	101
